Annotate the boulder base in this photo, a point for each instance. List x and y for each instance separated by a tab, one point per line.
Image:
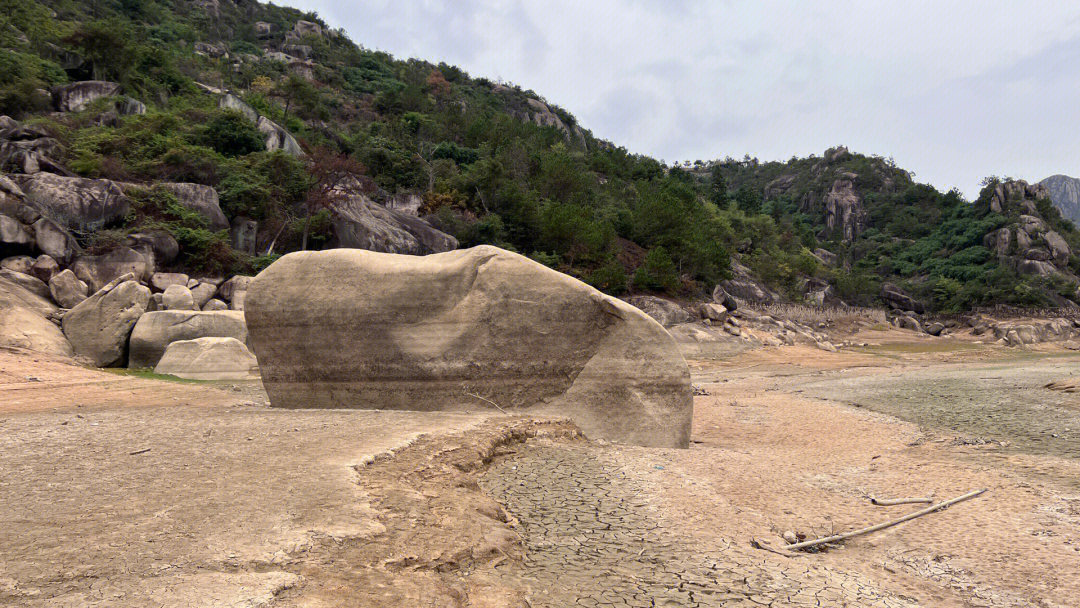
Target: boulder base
350	328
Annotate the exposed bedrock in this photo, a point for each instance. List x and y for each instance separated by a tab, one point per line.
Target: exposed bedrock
466	329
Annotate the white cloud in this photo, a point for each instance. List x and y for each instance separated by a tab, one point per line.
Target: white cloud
952	90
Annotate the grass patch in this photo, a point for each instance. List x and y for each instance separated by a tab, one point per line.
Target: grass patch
148	374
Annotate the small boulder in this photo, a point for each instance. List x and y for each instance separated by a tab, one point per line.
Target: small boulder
98	327
160	281
712	312
209	359
215	304
202	293
17	263
935	329
177	297
67	290
14	232
234	285
44	268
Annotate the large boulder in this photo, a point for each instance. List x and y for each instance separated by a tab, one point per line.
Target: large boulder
157	243
155	331
23	321
465	330
200	199
76	96
97	270
209	359
27	282
1059	249
76	203
67	290
896	298
53	240
277	138
665	312
361	223
160	281
98	328
744	290
844	211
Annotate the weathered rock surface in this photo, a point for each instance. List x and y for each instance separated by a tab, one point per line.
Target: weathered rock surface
351	328
1065	194
98	328
244	234
896	298
76	96
202	293
158	243
361	223
76	203
97	270
844	212
156	330
67	290
209	359
28	282
18	263
14	232
23	322
215	304
665	312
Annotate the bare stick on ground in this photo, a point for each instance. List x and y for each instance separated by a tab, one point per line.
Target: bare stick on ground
841	537
888	502
496	405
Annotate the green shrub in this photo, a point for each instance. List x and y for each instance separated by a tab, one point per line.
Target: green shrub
657	272
230	133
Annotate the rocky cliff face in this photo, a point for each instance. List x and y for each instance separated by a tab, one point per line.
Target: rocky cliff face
1027	242
1065	194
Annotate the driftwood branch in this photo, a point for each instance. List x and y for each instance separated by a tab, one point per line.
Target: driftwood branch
496	405
888	502
910	516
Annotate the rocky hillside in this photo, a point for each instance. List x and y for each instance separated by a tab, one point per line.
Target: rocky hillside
208	137
1065	194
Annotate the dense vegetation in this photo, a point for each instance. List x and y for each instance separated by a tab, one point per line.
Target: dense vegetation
487	173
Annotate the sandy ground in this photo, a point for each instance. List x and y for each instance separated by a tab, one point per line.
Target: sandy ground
237	504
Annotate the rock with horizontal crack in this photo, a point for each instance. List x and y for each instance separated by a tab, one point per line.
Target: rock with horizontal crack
474	329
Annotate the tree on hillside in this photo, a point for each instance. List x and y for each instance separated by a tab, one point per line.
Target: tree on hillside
107	47
717	185
334	177
296	90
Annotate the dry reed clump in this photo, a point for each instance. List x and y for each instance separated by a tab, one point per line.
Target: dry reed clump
801	313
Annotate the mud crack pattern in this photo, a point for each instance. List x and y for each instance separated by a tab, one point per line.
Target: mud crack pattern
592	539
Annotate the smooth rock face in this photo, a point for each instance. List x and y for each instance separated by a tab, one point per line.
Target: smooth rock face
98	328
177	297
53	239
215	304
359	329
156	330
209	359
202	293
67	290
23	323
18	263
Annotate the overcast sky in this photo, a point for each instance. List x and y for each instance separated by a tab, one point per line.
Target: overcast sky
953	91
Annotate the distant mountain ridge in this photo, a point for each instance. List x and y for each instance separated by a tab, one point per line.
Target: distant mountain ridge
1065	194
